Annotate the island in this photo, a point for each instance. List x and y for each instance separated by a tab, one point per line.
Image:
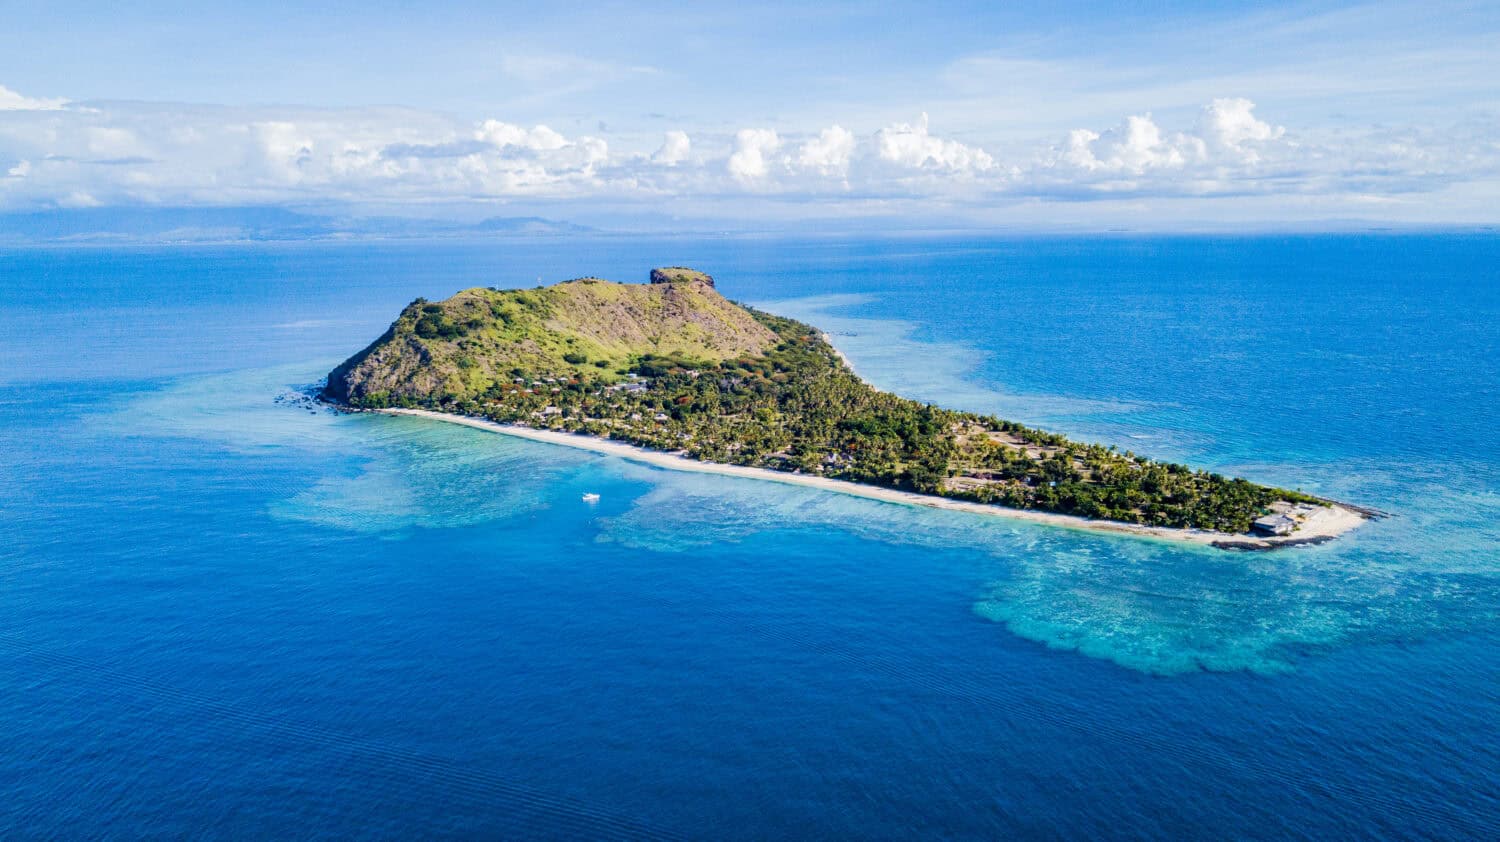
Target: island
673	373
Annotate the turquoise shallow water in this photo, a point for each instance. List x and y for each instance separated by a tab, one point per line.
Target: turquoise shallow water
228	613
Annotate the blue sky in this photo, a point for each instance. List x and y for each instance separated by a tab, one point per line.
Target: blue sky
1168	115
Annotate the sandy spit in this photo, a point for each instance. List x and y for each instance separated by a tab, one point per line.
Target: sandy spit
1323	525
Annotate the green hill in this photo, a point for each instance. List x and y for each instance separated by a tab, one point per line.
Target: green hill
672	365
587	329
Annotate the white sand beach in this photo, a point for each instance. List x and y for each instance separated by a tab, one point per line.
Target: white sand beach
1323	524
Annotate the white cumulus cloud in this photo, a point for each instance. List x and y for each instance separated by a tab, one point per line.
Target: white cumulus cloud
675	148
284	150
12	101
1230	124
124	153
829	152
751	147
911	145
538	138
1136	146
1227	135
532	156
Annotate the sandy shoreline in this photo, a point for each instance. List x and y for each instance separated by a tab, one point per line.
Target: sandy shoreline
1323	525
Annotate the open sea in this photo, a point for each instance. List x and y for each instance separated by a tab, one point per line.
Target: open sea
227	613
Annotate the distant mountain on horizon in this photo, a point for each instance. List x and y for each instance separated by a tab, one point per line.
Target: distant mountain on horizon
273	223
250	223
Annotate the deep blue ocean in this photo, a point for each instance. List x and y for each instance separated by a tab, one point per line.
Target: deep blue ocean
227	613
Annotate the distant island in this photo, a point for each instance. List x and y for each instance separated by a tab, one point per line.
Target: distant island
673	373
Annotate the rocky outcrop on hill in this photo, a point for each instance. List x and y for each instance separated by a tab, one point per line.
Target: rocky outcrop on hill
680	275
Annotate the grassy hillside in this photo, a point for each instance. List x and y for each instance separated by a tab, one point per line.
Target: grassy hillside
588	329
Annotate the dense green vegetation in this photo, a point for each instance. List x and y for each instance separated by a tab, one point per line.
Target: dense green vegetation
795	406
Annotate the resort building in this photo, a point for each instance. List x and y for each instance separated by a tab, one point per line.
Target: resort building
1274	525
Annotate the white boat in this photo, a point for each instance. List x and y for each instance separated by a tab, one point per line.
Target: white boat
590	498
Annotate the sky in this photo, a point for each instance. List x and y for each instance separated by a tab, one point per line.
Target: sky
1166	115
